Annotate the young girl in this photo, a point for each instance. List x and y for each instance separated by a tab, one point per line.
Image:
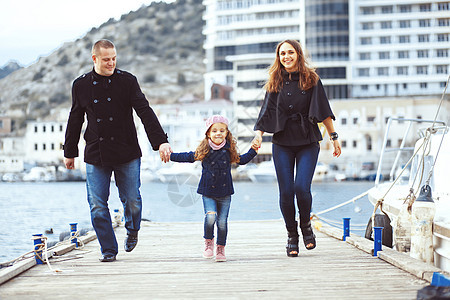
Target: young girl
216	152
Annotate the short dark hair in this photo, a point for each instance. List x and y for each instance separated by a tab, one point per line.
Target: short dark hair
103	43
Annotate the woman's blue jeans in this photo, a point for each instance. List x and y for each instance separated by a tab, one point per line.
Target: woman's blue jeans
303	160
216	211
98	180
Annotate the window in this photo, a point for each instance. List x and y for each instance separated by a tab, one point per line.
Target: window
442	52
405	86
368	10
367	26
423	85
53	146
443	6
422	70
403	39
344	121
403	54
1	123
355	144
60	128
383	55
386	9
425	7
364	87
44	147
366	41
35	129
442	84
402	70
364	56
405	23
370	119
405	8
425	23
344	144
35	147
52	128
444	22
43	128
384	71
441	69
386	24
388	143
363	72
355	121
422	53
424	38
385	40
443	37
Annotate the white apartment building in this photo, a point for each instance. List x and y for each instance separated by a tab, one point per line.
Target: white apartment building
362	50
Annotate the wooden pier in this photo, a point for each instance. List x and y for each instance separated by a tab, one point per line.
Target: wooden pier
167	264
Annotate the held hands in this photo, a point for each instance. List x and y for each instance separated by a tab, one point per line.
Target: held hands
164	152
257	140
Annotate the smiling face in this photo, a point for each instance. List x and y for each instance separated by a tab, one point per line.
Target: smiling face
218	133
288	57
104	61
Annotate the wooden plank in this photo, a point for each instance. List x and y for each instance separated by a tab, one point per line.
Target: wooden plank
167	263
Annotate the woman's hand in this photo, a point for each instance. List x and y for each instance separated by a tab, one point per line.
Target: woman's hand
337	148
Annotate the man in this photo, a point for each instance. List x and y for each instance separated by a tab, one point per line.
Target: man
107	96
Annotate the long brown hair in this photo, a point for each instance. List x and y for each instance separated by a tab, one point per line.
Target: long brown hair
204	148
308	75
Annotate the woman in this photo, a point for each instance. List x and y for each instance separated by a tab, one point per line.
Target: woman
294	103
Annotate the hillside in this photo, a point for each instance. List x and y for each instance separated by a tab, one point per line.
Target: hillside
161	44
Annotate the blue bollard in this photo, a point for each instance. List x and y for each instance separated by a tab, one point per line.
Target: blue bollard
73	230
377	238
37	244
346	228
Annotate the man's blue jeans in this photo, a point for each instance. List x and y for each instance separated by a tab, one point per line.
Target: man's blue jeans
98	180
303	159
216	211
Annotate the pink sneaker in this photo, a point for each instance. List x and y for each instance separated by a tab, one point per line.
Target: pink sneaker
209	245
220	253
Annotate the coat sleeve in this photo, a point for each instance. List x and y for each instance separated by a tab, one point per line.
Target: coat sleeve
268	119
319	108
183	157
153	128
247	157
74	124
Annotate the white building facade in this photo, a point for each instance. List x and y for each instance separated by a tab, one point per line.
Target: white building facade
361	49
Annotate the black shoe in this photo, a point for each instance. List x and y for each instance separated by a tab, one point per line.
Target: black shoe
130	242
108	258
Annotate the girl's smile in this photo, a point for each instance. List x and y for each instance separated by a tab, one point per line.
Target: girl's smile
218	132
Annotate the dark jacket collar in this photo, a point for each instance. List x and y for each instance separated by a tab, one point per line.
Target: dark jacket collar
99	77
294	76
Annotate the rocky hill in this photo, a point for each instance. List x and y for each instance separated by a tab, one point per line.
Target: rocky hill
161	44
9	68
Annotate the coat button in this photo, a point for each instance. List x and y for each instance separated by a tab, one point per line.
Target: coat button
289	94
109	99
287	82
212	163
224	184
213	186
101	139
111	118
109	80
94	82
291	106
303	92
112	138
99	120
95	101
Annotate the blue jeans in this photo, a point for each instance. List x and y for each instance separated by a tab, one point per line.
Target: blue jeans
98	180
216	211
304	160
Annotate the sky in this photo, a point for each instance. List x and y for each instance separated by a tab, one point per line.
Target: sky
33	28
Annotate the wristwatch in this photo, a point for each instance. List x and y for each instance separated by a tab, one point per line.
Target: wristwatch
334	136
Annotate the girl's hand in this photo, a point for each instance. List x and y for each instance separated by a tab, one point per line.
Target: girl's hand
337	148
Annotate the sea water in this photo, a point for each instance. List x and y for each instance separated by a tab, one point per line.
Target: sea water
33	208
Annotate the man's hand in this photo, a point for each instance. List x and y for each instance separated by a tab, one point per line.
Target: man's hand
164	152
69	163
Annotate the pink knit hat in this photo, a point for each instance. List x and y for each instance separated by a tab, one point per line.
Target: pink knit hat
215	119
